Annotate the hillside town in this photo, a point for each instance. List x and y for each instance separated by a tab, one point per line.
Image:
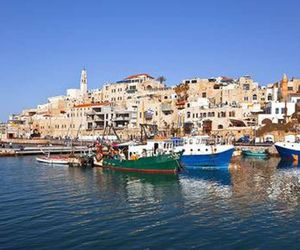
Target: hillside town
220	106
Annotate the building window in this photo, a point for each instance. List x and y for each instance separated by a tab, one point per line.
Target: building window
290	88
246	86
269	97
204	94
277	111
254	97
282	110
188	114
245	98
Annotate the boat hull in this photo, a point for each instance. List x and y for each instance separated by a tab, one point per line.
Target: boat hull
214	159
288	150
53	160
253	154
165	164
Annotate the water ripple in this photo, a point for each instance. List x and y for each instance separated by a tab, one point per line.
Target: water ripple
252	204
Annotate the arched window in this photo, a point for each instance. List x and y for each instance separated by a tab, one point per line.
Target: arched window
254	97
220	126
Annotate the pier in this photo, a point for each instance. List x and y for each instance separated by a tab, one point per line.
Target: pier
43	150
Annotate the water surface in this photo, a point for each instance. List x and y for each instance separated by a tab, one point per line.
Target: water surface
253	204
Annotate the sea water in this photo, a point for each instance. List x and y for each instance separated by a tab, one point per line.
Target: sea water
252	204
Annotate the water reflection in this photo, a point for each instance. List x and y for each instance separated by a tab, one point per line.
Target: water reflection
265	180
287	164
136	185
244	182
218	175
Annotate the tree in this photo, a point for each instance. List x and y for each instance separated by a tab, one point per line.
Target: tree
161	79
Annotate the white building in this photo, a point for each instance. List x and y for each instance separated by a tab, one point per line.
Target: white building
275	112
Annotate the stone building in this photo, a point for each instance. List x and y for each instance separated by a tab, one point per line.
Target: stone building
216	104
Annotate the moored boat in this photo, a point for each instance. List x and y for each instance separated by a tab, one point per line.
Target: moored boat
197	150
201	151
164	163
53	160
256	153
288	150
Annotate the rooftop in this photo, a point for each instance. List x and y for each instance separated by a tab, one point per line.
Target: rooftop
95	104
138	75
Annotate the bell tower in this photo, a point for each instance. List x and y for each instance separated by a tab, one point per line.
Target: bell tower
83	82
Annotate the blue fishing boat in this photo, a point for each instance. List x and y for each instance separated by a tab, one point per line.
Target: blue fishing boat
288	150
200	151
197	150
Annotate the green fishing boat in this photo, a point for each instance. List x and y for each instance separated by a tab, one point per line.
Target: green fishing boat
165	163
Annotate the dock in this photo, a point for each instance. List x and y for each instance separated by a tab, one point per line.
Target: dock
44	150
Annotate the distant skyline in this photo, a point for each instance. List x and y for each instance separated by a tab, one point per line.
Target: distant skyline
45	44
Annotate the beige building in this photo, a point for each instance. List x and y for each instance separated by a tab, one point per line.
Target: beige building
221	102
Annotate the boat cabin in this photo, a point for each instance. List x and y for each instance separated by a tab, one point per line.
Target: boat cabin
153	147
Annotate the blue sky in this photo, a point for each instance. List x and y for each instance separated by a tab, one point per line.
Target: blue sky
45	44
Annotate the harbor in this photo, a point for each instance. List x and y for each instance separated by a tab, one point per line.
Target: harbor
149	125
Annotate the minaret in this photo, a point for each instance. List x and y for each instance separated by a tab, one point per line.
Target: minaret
83	82
284	87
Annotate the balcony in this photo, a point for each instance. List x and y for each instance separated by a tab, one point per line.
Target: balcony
122	118
180	104
90	113
131	91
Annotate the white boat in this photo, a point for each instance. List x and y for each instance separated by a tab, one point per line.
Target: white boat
53	160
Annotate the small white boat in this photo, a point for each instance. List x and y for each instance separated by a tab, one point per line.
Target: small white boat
53	160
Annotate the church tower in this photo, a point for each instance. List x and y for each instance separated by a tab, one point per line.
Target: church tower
284	87
83	82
